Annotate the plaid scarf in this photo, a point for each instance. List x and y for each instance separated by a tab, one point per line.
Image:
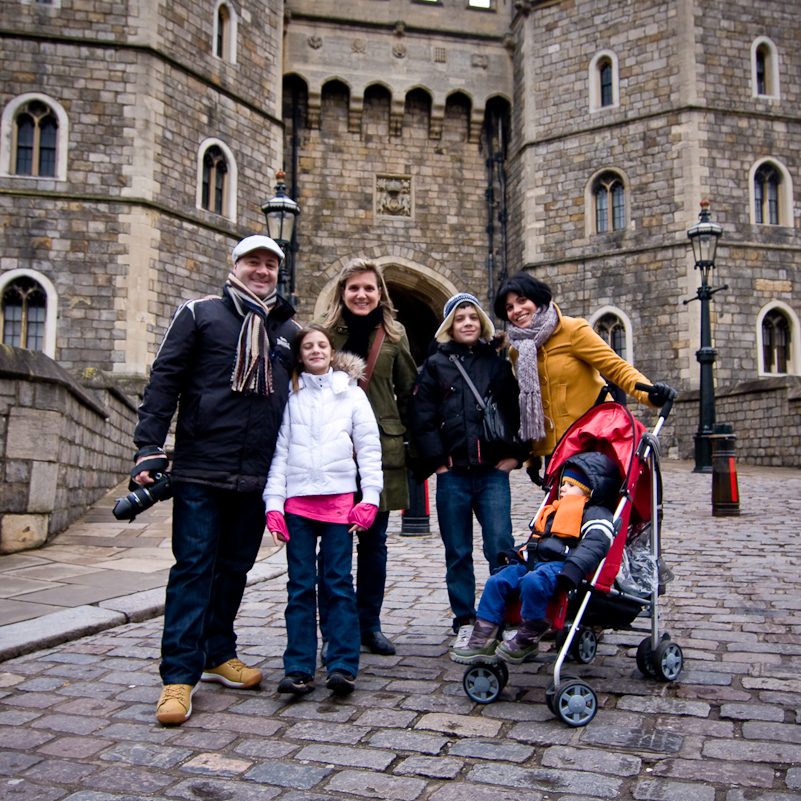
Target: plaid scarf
253	373
527	341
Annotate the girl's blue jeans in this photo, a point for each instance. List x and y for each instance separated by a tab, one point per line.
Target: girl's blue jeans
336	548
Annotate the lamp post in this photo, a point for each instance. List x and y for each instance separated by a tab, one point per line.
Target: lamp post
280	212
704	239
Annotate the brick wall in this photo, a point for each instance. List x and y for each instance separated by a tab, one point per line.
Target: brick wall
765	416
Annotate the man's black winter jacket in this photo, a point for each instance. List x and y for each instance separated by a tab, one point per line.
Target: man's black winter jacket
223	438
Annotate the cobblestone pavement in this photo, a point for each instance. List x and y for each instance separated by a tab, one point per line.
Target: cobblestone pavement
77	721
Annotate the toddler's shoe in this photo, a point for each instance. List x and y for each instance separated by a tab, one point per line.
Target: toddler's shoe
340	682
296	683
524	646
175	704
233	673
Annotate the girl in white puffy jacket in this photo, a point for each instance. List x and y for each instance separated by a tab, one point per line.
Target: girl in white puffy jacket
328	430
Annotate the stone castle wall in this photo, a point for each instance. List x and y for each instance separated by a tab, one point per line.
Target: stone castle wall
62	446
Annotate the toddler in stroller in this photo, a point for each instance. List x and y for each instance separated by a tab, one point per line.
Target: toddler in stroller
570	537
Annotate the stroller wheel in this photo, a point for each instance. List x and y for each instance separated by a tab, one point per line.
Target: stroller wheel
584	645
668	660
504	673
483	683
645	658
575	702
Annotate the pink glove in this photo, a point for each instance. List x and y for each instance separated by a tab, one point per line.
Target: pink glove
276	525
363	514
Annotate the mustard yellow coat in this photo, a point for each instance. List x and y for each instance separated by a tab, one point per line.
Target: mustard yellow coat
570	364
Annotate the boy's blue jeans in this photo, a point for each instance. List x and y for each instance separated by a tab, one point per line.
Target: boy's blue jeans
216	534
536	588
460	493
336	548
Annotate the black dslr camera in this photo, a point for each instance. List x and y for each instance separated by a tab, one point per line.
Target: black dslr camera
142	498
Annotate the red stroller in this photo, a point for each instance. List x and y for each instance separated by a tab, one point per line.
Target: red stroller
604	599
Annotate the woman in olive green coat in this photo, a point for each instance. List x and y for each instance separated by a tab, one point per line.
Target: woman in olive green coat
360	309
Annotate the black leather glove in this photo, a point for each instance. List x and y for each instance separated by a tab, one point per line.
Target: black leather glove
659	394
533	470
564	584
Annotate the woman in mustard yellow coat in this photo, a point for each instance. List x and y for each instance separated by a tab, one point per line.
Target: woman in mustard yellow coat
559	363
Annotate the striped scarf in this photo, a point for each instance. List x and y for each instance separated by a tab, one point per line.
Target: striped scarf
253	372
527	341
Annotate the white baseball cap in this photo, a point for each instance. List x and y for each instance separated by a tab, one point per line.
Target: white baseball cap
256	242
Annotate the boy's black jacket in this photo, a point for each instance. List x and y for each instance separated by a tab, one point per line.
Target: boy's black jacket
445	419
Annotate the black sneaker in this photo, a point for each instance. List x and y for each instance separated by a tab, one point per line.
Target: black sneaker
296	683
340	682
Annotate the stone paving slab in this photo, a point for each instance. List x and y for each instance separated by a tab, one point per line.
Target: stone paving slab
77	721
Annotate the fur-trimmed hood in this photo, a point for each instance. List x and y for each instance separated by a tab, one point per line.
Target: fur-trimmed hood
349	363
346	370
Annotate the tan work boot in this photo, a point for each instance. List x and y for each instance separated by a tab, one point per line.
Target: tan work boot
233	673
175	705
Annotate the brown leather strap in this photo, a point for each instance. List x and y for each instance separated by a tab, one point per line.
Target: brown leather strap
373	357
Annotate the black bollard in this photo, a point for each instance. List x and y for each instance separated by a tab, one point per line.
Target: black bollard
725	493
415	519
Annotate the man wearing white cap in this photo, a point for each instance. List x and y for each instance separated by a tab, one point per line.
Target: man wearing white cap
225	364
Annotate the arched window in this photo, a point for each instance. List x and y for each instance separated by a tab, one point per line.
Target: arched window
215	176
24	310
36	140
775	342
610	203
764	68
612	330
767	183
603	81
224	31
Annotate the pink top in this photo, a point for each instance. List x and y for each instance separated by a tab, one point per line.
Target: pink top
326	508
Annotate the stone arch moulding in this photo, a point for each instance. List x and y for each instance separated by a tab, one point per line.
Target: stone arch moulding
6	135
794	366
231	33
595	82
233	176
625	319
786	210
401	272
52	303
771	66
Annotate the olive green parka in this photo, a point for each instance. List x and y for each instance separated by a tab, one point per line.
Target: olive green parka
389	393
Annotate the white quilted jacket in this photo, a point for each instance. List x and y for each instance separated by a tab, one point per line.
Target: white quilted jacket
326	421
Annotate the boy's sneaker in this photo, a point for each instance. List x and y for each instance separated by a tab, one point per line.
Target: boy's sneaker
296	683
463	636
233	673
175	704
480	646
340	682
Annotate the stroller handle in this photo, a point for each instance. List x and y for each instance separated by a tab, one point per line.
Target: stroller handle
668	405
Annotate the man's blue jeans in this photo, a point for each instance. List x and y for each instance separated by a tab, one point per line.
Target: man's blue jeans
460	493
535	587
216	534
336	548
371	577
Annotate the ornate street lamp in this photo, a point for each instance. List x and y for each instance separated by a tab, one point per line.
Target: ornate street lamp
280	212
704	239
